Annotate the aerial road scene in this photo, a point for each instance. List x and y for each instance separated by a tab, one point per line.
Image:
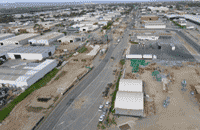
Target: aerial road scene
100	65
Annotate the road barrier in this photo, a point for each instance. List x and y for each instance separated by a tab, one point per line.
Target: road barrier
37	123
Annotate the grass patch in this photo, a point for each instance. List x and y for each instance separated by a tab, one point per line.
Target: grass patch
178	24
133	42
83	49
83	60
122	62
60	75
34	109
42	82
114	94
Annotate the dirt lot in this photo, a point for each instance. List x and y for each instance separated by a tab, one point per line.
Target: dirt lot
21	119
183	110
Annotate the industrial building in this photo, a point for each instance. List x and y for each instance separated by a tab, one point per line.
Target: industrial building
31	53
23	75
46	39
18	40
154	25
130	98
70	39
147	36
158	8
5	49
6	35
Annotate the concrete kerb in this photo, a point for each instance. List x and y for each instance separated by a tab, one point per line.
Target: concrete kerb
37	123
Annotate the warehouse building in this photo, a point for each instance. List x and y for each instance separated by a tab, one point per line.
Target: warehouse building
18	40
70	39
154	25
24	75
147	36
46	39
5	49
6	35
31	53
130	98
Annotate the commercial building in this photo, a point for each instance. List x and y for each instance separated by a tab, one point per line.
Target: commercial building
46	39
158	8
130	98
31	53
24	74
18	40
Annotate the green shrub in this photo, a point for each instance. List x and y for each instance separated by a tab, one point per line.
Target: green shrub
122	62
83	49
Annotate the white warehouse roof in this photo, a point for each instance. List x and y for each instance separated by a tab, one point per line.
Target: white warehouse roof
6	35
129	100
21	37
25	75
48	36
5	49
31	49
130	85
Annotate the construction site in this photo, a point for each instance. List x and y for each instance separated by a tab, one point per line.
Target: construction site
170	93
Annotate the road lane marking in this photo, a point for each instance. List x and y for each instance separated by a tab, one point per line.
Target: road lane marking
78	97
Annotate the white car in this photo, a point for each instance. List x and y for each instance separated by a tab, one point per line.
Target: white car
101	118
101	107
107	103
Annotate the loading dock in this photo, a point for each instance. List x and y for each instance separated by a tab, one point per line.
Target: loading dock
17	56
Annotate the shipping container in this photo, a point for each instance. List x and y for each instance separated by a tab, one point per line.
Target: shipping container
133	56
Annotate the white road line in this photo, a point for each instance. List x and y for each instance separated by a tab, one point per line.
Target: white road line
90	120
83	91
83	113
87	109
79	96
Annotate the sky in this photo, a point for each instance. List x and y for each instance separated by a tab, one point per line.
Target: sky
94	1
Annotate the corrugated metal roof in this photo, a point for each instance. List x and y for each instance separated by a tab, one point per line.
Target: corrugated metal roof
130	85
5	49
30	49
21	37
48	36
129	100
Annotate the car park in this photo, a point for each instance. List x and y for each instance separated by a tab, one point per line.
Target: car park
101	107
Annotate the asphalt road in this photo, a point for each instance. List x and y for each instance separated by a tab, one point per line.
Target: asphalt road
165	53
52	119
64	116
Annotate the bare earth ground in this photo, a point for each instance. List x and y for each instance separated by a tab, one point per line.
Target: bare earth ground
21	119
183	110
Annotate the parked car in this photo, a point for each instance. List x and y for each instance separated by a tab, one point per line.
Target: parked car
101	118
107	103
101	107
105	110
